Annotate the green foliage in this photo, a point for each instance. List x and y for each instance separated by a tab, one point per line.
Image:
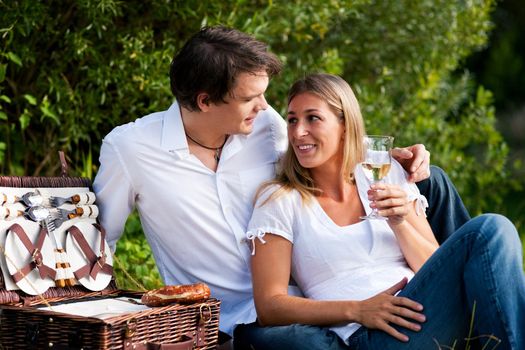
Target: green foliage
72	70
134	258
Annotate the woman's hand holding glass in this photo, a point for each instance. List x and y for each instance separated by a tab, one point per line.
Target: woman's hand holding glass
390	201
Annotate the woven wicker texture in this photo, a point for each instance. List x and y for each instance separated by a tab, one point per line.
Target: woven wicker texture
51	182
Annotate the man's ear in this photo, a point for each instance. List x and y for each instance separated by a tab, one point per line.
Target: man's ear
203	101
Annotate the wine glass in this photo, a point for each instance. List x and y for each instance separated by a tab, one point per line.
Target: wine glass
376	165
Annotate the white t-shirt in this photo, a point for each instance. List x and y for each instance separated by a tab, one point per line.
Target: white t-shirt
331	262
194	219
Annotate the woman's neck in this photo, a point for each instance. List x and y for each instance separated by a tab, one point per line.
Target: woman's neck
330	181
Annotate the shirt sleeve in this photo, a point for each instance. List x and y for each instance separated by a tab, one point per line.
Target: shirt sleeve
399	176
115	195
280	133
273	215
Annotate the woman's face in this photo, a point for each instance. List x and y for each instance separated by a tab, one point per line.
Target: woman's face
315	132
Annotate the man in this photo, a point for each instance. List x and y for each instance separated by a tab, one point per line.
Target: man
192	171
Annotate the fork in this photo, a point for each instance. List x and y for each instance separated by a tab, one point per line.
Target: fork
84	198
82	211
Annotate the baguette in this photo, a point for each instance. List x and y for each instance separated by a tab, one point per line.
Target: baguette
186	293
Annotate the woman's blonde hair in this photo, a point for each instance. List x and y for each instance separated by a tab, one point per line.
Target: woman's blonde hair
339	96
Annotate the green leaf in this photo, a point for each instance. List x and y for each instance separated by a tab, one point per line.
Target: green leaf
48	113
24	119
3	146
13	57
3	116
3	68
31	99
5	98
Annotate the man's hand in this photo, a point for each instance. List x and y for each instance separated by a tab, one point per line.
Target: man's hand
415	160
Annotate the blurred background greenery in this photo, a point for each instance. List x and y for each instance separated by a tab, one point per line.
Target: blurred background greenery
448	74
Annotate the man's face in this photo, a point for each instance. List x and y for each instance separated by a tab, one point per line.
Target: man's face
237	115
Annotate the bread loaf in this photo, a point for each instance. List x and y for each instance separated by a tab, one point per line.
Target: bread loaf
186	293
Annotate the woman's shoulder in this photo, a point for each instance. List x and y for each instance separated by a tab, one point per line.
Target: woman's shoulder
277	193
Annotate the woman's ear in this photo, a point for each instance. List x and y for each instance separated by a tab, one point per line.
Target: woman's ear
203	101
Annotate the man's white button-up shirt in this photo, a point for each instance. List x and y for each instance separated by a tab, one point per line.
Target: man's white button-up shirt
194	219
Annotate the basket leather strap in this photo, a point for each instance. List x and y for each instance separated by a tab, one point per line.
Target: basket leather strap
200	335
36	254
95	263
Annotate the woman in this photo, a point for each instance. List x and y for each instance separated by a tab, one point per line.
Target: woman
353	273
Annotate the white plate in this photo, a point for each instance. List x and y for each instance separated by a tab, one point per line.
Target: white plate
19	257
77	259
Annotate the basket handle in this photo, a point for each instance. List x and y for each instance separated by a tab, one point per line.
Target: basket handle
63	163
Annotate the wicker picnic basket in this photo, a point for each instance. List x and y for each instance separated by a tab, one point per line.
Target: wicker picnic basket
28	321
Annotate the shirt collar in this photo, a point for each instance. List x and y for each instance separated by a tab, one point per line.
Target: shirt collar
232	146
174	138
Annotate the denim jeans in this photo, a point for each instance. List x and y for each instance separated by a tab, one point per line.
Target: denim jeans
447	213
294	337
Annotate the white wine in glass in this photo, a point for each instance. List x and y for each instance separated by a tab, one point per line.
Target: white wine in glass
376	165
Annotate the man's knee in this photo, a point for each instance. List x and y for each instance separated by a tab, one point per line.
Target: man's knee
438	176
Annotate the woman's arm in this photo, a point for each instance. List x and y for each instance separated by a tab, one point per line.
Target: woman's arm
271	273
412	231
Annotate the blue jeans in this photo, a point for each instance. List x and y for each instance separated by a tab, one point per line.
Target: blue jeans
480	264
446	212
294	337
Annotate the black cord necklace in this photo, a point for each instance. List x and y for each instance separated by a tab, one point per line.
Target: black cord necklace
217	150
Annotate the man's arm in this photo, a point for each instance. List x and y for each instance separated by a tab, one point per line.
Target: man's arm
115	196
415	160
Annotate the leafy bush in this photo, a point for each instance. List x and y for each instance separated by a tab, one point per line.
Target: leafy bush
135	268
72	70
